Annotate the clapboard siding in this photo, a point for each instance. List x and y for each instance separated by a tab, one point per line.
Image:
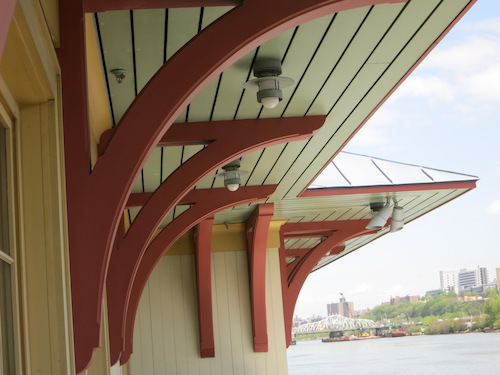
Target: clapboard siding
166	337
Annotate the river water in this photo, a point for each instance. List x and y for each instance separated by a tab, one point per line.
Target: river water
461	354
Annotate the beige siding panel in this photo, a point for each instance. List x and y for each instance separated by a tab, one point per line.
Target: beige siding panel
172	292
243	285
190	314
235	316
167	315
224	333
276	323
43	248
146	333
156	316
179	314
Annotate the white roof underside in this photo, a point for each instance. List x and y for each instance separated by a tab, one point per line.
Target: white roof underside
354	170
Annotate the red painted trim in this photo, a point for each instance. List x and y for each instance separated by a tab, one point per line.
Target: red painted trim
206	132
203	248
6	15
417	63
388	188
123	298
298	271
257	230
96	201
92	6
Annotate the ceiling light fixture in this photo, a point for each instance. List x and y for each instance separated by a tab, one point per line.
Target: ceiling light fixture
397	221
232	175
119	75
381	215
268	84
382	212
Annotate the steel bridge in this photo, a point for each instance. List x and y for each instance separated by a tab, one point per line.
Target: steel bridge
335	323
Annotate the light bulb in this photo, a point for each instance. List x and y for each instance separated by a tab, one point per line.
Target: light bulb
270	102
232	187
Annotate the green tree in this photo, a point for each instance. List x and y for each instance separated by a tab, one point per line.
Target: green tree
492	311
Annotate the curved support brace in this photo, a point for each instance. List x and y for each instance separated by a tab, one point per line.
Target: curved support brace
203	248
232	139
257	229
342	231
97	199
206	202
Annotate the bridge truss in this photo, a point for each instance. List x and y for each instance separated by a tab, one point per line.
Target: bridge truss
335	323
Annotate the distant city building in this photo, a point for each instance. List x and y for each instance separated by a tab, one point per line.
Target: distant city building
397	300
464	279
343	308
498	278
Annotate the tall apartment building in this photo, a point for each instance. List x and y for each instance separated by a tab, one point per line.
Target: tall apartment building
343	308
463	279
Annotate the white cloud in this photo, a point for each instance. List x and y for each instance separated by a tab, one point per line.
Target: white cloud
493	208
374	134
470	68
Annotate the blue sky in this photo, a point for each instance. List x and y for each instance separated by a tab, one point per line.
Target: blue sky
446	115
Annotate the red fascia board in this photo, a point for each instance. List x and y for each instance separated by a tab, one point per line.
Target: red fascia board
91	6
408	73
387	189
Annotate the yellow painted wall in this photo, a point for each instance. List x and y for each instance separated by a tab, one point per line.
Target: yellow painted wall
166	330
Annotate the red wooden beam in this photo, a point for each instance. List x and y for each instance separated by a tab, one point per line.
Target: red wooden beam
388	188
96	199
123	297
203	248
105	5
6	14
257	229
89	250
206	132
301	268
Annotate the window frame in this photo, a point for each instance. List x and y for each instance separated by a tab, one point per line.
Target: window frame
9	113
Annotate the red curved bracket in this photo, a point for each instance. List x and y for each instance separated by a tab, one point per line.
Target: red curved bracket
231	139
97	199
297	272
122	311
257	228
203	248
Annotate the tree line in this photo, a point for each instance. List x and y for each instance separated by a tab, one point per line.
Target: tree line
444	312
